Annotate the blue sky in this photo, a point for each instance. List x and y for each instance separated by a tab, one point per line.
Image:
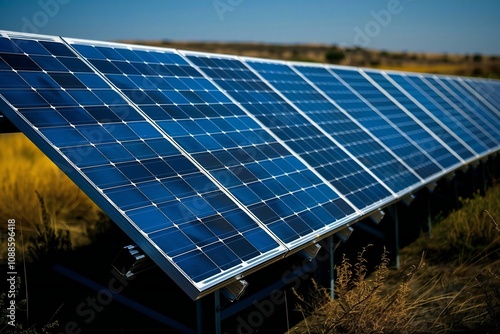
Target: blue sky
452	26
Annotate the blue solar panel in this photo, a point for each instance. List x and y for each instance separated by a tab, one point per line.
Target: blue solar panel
413	97
265	177
353	135
217	166
438	106
372	117
476	125
347	175
473	109
485	91
410	123
152	190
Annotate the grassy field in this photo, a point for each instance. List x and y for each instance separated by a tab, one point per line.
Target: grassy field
28	177
449	282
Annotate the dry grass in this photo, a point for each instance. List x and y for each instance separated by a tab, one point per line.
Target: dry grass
361	305
456	289
26	171
466	234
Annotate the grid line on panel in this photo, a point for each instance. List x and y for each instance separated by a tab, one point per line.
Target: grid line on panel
487	126
429	141
125	164
404	146
493	87
236	151
444	111
485	90
366	188
207	65
432	113
489	115
203	204
461	148
458	109
146	81
354	135
466	84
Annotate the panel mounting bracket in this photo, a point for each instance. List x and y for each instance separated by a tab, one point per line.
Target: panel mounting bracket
235	290
131	261
377	216
344	234
408	199
311	251
431	186
450	176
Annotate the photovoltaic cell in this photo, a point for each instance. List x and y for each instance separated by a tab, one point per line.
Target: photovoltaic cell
475	125
432	145
361	188
246	160
357	140
473	109
437	105
488	90
475	98
382	127
129	167
432	122
484	91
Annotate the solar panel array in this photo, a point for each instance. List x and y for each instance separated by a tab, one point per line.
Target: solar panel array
217	165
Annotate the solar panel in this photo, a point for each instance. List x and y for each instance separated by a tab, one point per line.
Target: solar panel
410	121
409	99
293	125
443	110
170	208
474	124
265	177
217	166
484	91
385	163
473	109
372	116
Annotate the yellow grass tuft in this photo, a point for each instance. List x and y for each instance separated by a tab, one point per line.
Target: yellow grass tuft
449	294
26	171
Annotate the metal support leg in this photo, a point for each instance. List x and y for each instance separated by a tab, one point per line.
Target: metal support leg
395	218
199	317
484	178
396	234
217	313
429	218
332	268
455	189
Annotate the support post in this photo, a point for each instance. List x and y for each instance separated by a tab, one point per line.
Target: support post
217	312
199	317
429	217
484	178
395	218
331	244
455	190
396	236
